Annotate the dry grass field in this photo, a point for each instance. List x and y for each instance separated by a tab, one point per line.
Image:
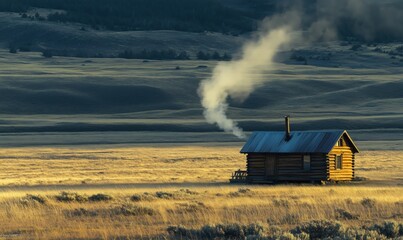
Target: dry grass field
144	190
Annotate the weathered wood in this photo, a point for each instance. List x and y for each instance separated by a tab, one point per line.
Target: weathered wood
263	167
347	165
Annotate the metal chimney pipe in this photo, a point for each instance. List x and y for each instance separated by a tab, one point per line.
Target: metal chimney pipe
287	128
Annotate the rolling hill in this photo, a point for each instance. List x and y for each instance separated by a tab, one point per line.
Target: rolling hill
157	101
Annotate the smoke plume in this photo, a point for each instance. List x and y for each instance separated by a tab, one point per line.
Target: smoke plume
317	21
238	78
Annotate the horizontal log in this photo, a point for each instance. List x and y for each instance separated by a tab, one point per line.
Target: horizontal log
255	170
342	176
256	173
340	179
300	174
302	169
344	157
301	178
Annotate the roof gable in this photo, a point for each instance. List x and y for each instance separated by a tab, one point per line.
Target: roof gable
300	142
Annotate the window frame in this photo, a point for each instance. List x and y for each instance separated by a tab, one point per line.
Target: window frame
338	164
306	162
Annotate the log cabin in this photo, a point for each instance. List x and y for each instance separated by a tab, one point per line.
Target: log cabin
299	156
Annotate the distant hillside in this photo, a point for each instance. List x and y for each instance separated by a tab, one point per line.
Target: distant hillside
73	40
127	28
362	20
128	15
354	89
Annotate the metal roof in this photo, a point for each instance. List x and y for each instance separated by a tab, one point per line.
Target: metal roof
300	142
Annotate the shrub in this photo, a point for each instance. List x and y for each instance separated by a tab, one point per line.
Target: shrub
298	58
179	231
211	231
290	218
370	235
234	194
190	207
244	190
30	198
303	236
13	50
275	230
240	192
132	210
47	53
348	201
254	229
319	229
142	197
356	47
136	198
100	197
71	197
203	56
154	54
188	191
80	212
226	57
164	195
368	202
232	230
183	56
25	48
226	231
284	236
280	235
343	214
361	234
360	179
281	203
390	229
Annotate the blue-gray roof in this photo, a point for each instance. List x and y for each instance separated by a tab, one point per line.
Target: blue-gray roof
300	142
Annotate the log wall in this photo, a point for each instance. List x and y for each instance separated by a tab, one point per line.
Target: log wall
288	167
291	167
347	171
255	166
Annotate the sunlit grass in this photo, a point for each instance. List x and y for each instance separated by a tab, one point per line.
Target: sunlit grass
206	198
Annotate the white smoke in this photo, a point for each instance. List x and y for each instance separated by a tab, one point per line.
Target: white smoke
236	79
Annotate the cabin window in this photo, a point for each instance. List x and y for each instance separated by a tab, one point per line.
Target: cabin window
339	162
307	162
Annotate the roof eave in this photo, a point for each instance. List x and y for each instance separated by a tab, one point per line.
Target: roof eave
352	142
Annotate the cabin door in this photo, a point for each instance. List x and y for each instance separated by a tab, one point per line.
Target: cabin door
270	166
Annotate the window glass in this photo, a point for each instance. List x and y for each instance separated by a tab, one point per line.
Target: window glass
307	162
339	161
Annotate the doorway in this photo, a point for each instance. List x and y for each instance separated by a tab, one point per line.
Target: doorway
270	166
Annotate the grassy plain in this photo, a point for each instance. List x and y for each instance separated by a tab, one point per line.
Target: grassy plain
183	185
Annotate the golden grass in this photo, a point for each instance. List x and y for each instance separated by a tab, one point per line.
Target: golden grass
202	170
34	166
